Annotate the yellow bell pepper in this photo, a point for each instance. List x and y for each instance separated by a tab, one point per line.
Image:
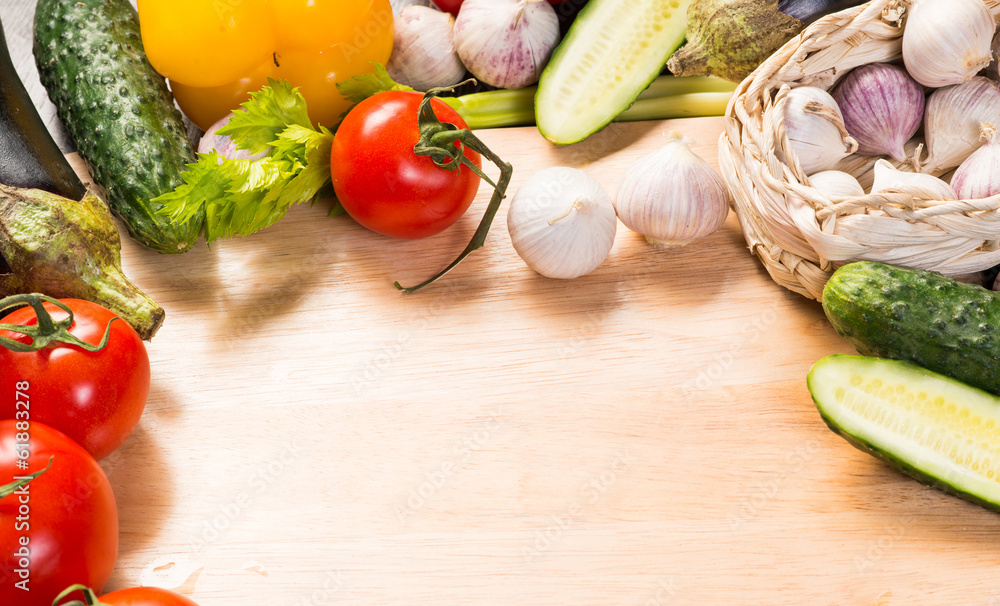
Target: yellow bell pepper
216	52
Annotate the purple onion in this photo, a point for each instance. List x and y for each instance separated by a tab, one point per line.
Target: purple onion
883	107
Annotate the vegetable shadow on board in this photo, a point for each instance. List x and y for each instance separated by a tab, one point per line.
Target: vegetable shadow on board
663	269
144	493
278	267
912	508
615	137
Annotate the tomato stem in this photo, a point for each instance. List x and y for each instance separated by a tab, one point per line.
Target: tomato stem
89	598
47	330
445	144
8	489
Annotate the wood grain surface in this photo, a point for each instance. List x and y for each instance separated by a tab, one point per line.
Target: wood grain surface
639	436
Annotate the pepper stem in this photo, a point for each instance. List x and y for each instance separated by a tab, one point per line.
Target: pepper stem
445	143
9	489
47	330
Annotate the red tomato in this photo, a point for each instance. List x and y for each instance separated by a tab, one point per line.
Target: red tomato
62	527
140	596
382	184
450	6
96	398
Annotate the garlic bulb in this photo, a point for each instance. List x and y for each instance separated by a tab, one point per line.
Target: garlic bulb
423	51
888	177
883	108
399	5
836	183
952	121
562	223
815	129
506	43
223	145
672	196
979	176
947	41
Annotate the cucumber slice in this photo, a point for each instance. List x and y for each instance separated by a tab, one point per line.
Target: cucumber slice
613	50
938	430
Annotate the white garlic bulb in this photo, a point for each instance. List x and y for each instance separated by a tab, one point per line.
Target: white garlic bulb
815	129
947	41
952	120
672	196
423	51
562	223
506	43
979	176
888	177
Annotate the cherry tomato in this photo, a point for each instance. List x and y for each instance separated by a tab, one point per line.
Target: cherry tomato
96	398
62	527
379	180
134	596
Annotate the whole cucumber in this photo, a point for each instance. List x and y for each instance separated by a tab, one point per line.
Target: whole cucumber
934	321
118	112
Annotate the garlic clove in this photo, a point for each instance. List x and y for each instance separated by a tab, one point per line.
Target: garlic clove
889	178
562	223
836	183
883	108
952	120
423	52
672	196
506	43
946	42
979	175
815	129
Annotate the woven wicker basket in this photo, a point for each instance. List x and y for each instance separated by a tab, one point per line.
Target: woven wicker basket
799	233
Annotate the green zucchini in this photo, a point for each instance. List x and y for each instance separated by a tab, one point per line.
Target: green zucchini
29	157
611	53
939	431
936	322
118	112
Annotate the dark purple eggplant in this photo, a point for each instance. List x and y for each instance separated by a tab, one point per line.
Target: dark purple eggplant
730	38
29	156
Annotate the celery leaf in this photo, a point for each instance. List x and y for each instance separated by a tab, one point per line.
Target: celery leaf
359	88
268	112
241	196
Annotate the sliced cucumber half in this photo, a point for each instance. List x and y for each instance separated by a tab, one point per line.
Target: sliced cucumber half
613	50
938	430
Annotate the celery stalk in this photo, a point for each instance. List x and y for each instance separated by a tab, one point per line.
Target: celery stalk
666	97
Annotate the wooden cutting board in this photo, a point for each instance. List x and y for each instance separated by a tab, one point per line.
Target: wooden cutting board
642	435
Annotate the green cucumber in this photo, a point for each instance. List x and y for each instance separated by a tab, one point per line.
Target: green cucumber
935	322
939	431
610	54
118	112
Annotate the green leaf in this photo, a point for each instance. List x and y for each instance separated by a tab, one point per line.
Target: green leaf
269	111
359	88
207	179
241	196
